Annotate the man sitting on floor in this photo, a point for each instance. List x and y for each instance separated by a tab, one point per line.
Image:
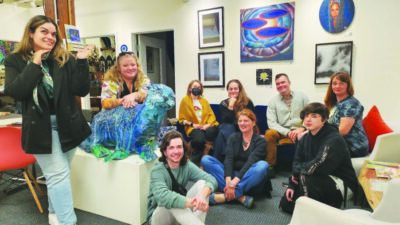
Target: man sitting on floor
169	202
322	165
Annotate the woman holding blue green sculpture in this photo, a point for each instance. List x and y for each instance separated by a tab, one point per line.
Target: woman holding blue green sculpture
125	83
133	110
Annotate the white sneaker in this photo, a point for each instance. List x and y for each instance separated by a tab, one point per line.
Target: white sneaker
53	219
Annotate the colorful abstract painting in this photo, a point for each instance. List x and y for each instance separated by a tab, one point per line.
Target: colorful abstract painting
266	33
6	47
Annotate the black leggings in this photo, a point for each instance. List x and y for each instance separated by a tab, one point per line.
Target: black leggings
199	137
198	140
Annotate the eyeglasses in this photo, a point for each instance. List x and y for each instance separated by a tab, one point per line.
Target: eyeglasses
126	53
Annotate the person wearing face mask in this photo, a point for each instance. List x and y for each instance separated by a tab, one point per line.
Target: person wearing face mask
236	101
200	123
46	79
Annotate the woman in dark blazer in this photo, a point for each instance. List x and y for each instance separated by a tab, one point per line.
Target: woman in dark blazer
46	79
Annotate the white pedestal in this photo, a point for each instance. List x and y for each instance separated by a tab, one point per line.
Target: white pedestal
117	189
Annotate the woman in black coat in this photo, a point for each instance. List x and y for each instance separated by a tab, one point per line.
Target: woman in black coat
46	79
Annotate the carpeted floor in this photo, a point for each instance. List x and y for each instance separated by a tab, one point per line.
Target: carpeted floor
19	209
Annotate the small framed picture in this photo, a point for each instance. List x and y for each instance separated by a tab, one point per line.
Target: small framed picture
331	58
211	27
264	76
211	69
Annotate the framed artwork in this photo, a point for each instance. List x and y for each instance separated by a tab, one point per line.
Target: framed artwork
331	58
266	33
264	76
211	27
336	16
211	69
6	47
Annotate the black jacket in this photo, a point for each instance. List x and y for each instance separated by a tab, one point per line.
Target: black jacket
326	153
235	144
70	81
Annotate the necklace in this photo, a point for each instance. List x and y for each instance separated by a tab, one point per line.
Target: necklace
245	143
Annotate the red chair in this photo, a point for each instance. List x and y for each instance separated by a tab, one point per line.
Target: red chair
13	157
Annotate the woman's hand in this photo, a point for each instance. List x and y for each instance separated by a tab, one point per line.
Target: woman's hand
38	55
230	186
232	101
141	96
129	101
84	52
229	192
289	194
205	126
197	126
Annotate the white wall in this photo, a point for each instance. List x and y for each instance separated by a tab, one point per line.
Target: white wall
13	20
374	34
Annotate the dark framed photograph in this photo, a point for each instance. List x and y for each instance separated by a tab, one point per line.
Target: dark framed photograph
331	58
211	27
264	76
211	69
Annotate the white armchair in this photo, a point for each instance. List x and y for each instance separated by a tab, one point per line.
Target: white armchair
386	149
311	212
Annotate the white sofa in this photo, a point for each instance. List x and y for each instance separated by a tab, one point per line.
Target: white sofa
386	149
311	212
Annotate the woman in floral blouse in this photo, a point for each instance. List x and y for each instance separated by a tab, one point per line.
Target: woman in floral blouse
125	83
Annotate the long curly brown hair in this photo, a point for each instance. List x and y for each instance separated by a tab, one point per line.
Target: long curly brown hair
242	99
25	47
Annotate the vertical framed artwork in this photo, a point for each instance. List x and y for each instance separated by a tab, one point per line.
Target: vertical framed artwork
266	33
331	58
211	69
211	27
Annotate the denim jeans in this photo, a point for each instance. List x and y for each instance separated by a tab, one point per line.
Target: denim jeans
56	168
225	131
253	179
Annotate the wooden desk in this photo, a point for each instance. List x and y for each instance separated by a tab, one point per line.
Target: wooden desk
374	177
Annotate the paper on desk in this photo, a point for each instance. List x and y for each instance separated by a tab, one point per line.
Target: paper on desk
378	185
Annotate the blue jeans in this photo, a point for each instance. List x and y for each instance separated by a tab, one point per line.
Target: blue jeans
225	131
253	179
56	168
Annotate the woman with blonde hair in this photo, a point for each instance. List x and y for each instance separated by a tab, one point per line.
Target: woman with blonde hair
125	83
133	110
346	112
